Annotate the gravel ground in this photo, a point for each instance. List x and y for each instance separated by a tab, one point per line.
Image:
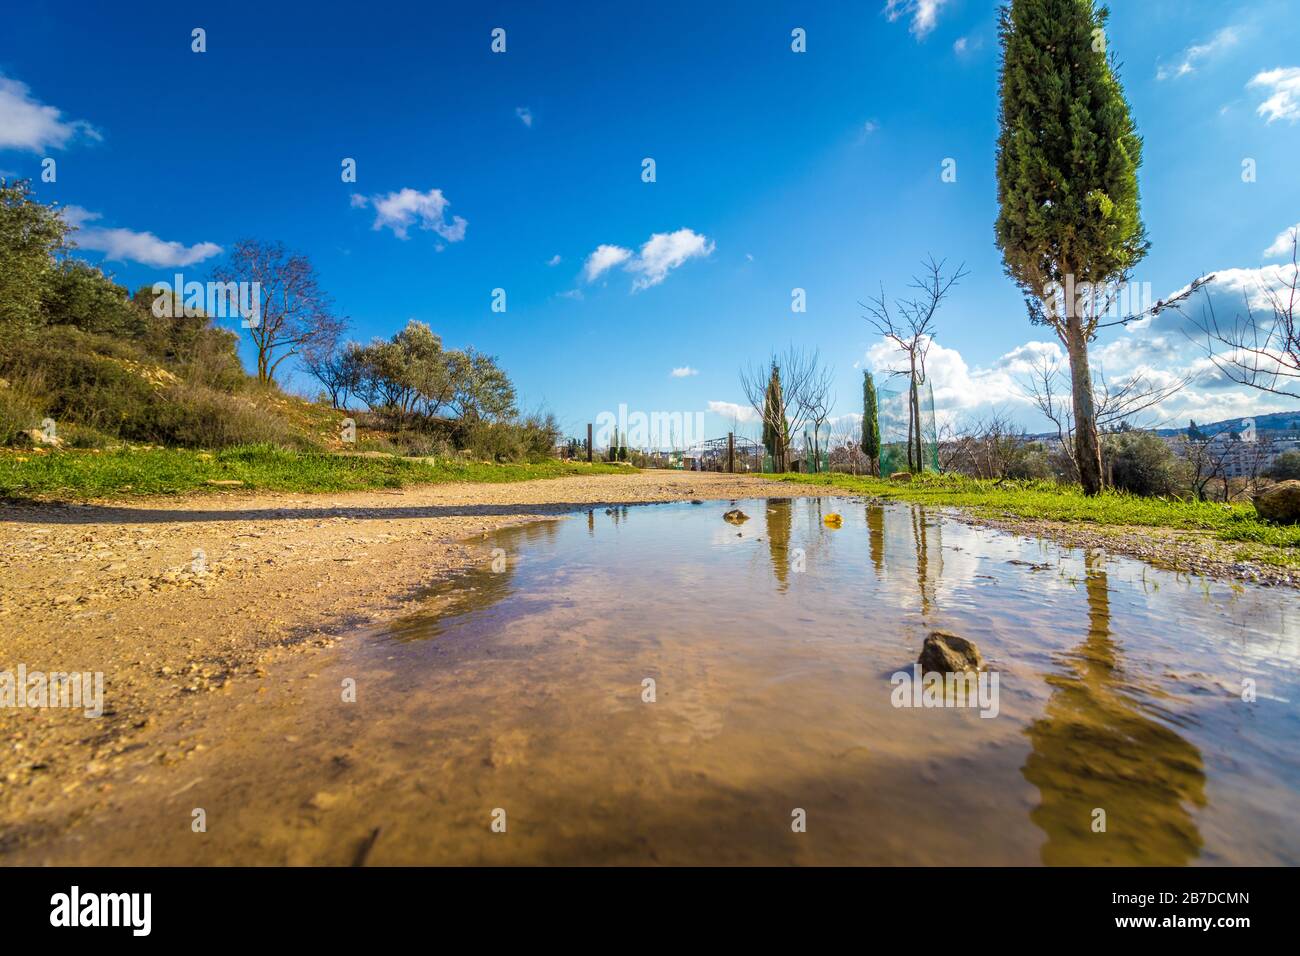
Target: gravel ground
173	599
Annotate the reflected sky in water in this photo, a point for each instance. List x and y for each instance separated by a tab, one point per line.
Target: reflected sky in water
771	645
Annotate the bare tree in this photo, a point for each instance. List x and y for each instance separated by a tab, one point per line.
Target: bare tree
910	326
984	448
788	417
291	311
1114	404
816	399
845	446
334	364
1263	351
1205	459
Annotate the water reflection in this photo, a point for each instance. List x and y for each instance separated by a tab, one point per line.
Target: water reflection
485	584
876	537
925	578
1094	749
773	692
780	519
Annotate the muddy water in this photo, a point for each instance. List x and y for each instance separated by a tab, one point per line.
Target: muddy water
520	695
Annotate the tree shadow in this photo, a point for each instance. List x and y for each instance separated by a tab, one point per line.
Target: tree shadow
62	514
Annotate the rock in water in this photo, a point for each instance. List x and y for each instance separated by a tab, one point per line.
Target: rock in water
735	516
1281	503
947	653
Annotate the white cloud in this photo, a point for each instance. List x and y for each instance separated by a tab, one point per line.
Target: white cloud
659	255
525	115
126	245
603	259
744	414
26	123
869	127
924	14
963	393
957	387
1192	57
408	207
1246	286
665	251
684	371
1284	244
78	216
555	260
1023	359
1283	88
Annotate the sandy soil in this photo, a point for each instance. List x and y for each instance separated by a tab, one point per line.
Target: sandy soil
176	599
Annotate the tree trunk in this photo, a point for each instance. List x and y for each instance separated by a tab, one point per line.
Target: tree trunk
1087	449
911	416
916	426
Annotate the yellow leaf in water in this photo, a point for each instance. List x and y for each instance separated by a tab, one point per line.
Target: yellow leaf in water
833	520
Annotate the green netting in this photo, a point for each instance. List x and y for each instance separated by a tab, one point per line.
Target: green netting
892	405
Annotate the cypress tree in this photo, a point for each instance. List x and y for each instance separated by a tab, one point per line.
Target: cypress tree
1068	154
776	430
870	423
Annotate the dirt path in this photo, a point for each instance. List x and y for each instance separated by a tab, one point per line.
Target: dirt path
175	599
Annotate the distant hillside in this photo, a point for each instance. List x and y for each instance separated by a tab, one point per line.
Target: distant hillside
1272	422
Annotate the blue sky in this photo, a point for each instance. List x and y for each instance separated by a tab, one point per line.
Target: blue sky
775	170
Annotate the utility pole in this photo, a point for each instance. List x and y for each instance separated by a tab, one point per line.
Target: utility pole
589	443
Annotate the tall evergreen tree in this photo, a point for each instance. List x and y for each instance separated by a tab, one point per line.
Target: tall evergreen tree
1068	154
776	430
870	423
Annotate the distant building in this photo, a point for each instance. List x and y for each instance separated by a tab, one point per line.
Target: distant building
1245	459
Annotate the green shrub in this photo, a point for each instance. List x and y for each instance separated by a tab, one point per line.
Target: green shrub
18	414
1029	461
1286	467
112	390
1141	463
528	439
193	416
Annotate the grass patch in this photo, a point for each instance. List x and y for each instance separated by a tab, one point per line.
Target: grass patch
1053	502
155	471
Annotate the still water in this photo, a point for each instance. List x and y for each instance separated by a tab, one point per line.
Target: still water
520	695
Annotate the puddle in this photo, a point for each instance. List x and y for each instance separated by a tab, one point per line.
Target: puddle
771	645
